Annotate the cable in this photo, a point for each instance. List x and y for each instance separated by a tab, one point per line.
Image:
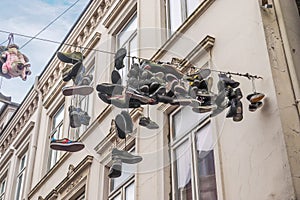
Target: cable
3	42
50	23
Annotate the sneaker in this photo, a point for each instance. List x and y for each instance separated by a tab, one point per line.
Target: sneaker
160	90
116	77
66	145
200	75
233	108
119	57
238	93
5	99
121	126
238	116
193	91
148	123
125	156
74	117
77	90
255	97
115	170
171	85
86	80
171	77
110	89
133	82
153	87
72	73
228	81
72	57
201	110
84	118
144	89
65	71
128	122
164	99
254	106
180	90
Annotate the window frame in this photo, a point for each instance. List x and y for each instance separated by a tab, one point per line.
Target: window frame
21	173
175	142
3	180
121	190
53	130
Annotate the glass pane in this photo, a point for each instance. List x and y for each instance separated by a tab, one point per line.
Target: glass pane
191	5
127	31
175	14
19	187
205	163
127	171
22	162
58	117
183	170
81	197
2	187
185	120
118	197
129	192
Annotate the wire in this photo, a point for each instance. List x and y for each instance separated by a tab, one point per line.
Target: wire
50	23
3	42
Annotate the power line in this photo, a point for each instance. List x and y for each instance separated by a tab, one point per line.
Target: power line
50	23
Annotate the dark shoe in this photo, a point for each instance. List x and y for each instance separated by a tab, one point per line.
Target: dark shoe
193	91
121	126
164	99
116	77
84	118
238	93
125	156
159	91
148	123
180	90
201	110
171	85
119	57
74	117
238	116
153	87
86	80
200	75
128	122
171	77
66	145
181	101
115	170
110	89
72	57
228	81
233	108
255	97
144	89
254	106
73	72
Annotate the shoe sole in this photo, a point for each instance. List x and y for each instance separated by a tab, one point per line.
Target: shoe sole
83	90
128	121
110	89
116	77
70	147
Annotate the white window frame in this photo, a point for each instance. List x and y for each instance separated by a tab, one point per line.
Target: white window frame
57	154
127	61
21	173
190	137
122	190
3	183
184	13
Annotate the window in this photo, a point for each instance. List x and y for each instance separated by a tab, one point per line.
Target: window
122	188
86	104
193	169
2	188
21	177
81	197
178	11
127	38
56	133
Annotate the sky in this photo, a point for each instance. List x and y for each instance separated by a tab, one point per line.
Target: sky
29	18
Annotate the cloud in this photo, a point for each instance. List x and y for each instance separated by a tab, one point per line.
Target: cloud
29	18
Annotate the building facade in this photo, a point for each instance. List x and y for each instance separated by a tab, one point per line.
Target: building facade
191	156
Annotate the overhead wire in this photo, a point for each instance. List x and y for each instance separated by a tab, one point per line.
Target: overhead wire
71	6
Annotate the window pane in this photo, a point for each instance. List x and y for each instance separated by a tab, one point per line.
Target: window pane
127	171
59	116
205	164
183	170
127	31
22	163
129	192
185	120
175	14
118	197
19	187
2	187
191	5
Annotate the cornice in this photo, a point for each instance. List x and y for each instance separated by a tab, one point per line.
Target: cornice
17	123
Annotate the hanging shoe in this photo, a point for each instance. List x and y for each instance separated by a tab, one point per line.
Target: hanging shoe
148	123
228	81
72	57
199	75
110	89
125	156
74	117
153	87
254	106
171	77
128	122
115	170
119	57
116	77
121	126
233	108
164	99
71	73
165	68
133	82
255	97
180	90
201	110
66	145
84	118
238	116
217	111
83	90
144	89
